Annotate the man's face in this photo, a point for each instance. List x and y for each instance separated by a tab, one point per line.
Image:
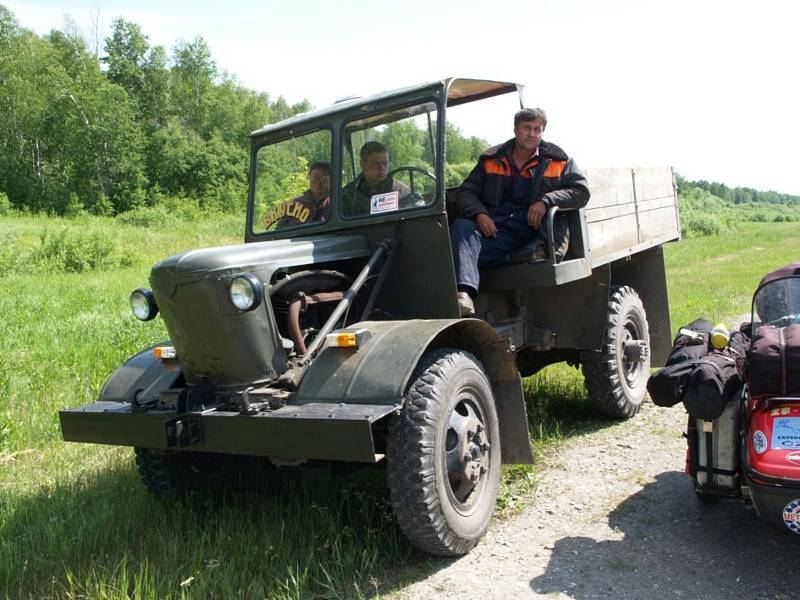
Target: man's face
319	182
528	134
375	167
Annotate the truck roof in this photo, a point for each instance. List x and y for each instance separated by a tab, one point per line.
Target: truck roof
458	90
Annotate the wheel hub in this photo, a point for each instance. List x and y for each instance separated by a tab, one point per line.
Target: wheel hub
466	450
635	350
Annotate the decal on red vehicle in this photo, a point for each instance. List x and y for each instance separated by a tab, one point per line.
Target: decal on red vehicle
791	516
786	433
793	457
759	442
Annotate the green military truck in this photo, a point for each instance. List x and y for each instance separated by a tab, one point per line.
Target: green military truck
336	335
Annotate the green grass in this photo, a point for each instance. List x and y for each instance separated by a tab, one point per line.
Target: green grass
75	521
715	276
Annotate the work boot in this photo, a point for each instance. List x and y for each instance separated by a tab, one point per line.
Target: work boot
465	304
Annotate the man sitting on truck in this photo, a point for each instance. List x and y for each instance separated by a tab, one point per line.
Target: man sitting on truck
374	191
503	202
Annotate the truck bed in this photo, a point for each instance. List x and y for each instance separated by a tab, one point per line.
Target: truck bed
630	210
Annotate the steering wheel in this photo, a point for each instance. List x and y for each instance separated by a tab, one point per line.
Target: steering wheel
411	170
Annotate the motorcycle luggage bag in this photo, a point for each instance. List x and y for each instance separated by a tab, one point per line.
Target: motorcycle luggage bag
712	383
775	361
666	387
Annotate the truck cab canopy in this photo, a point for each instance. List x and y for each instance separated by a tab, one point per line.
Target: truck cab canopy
456	90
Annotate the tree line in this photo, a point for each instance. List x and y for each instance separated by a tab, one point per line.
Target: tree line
110	133
737	195
107	133
129	127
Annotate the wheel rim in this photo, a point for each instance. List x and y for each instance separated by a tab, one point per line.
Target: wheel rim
633	350
467	451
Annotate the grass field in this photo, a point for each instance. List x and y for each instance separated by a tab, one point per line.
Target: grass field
75	520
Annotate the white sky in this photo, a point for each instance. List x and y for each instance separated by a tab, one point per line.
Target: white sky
707	86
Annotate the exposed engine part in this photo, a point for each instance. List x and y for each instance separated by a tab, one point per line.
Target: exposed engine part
299	305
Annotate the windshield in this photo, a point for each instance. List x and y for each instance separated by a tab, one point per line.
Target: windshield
389	161
292	183
777	303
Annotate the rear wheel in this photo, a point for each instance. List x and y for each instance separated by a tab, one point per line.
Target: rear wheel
443	454
168	472
616	377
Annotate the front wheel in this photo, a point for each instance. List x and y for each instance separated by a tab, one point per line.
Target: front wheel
443	454
166	472
616	377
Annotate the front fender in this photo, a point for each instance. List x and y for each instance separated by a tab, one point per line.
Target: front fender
379	371
142	377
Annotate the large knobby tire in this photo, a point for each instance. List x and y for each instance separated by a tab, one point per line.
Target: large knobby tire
167	472
443	454
616	377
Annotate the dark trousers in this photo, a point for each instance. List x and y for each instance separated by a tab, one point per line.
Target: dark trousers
471	250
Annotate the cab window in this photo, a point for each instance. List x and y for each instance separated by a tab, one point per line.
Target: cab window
389	161
292	183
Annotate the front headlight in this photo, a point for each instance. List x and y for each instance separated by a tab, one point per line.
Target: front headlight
143	304
246	292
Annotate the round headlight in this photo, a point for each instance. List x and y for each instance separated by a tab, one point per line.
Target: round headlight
246	292
143	304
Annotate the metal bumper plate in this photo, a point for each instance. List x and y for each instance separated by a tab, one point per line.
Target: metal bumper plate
313	430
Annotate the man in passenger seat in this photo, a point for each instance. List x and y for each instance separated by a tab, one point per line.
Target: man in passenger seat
503	202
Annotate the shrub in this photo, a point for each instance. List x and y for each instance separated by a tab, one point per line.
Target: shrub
151	216
75	250
5	204
700	224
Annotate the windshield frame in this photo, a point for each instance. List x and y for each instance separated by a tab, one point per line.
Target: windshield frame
336	122
348	153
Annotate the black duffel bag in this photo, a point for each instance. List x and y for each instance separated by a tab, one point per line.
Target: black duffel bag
697	374
715	379
667	386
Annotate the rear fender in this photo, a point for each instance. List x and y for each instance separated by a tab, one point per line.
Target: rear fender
379	371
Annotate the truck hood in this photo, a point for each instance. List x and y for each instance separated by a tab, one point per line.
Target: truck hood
262	258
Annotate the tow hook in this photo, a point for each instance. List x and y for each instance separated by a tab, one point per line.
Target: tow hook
183	432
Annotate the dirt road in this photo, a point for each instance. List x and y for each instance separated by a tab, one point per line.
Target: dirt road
615	517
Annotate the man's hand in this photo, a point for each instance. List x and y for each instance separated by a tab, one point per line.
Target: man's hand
536	213
486	225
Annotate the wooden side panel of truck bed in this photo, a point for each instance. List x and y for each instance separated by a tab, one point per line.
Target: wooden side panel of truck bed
630	210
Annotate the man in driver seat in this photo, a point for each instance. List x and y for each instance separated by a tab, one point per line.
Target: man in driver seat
374	191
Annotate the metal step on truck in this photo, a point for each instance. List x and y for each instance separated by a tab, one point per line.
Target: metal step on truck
333	332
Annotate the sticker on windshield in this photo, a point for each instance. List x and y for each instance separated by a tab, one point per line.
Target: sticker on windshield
381	203
786	433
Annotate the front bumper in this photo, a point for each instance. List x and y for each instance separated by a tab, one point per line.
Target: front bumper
314	430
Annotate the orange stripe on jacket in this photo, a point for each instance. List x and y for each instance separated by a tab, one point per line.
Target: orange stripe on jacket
497	166
555	168
501	166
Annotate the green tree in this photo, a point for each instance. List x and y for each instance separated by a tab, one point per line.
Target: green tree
126	52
